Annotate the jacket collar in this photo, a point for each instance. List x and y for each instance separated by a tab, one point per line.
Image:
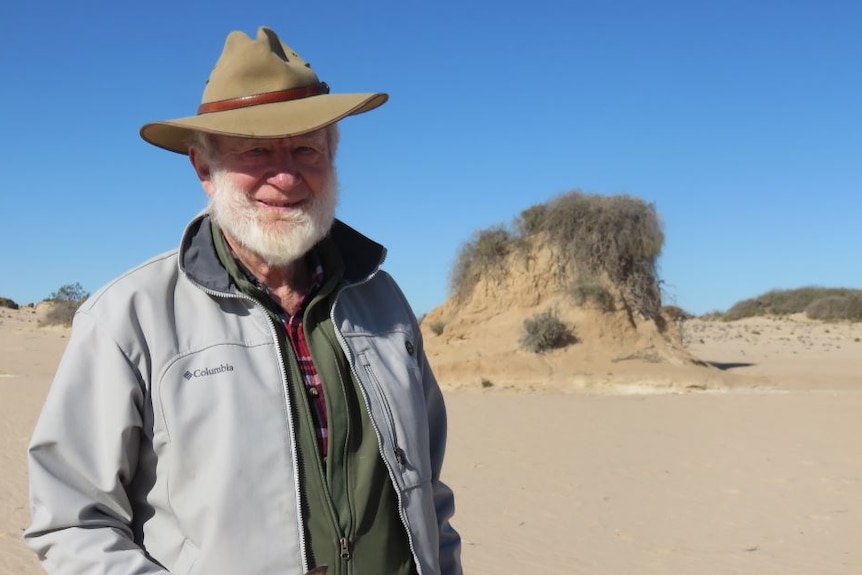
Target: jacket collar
198	260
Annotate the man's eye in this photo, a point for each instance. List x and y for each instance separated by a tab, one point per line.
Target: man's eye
253	152
305	150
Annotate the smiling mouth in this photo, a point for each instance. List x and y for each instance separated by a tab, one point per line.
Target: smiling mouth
281	205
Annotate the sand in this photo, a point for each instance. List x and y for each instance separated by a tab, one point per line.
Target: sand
762	476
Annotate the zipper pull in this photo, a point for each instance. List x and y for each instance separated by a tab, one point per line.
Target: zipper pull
345	548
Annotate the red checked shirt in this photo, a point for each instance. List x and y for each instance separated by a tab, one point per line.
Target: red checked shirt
296	336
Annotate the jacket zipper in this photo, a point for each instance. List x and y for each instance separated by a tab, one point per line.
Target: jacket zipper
290	422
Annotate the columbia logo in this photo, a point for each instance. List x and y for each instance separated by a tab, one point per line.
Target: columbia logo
207	371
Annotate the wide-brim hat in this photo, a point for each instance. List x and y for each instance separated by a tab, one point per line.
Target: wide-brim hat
260	89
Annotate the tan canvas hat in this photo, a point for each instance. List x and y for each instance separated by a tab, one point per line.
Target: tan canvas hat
263	89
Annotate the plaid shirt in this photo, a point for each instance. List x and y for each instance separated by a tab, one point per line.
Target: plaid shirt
296	336
313	383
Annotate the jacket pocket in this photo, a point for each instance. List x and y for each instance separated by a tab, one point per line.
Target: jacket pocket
398	415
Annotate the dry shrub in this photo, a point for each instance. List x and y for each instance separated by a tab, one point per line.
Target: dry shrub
616	236
532	220
544	332
437	326
484	253
836	308
751	307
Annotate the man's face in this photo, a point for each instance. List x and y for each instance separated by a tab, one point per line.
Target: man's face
275	197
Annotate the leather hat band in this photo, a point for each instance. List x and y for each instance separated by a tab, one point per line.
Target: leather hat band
265	98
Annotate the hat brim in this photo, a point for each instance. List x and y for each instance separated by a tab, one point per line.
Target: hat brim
276	120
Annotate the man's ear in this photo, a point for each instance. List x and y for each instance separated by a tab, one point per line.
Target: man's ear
202	169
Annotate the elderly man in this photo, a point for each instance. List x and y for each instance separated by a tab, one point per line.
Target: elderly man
257	401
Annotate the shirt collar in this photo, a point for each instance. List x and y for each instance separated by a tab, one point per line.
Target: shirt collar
246	282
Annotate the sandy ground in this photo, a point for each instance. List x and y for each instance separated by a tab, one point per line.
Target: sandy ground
763	477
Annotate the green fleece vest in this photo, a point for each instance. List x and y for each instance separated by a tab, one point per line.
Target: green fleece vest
350	509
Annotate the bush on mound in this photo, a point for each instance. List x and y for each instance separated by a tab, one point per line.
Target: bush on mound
614	237
544	332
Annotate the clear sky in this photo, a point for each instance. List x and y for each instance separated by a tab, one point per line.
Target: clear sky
740	120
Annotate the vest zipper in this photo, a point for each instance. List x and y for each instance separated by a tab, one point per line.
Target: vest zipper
352	361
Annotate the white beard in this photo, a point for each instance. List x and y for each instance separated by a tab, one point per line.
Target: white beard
280	241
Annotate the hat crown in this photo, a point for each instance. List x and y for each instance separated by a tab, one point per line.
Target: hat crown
260	89
248	67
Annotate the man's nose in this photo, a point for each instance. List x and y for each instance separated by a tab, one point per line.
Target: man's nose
284	171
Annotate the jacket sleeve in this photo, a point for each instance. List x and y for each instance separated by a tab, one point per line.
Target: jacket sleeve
444	500
83	456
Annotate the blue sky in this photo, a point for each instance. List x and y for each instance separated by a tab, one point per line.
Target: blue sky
741	121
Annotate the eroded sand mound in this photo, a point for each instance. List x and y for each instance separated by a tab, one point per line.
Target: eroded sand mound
480	340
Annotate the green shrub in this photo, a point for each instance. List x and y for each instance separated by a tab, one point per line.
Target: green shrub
70	293
66	302
544	332
588	289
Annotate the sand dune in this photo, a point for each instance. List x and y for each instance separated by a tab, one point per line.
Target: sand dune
759	475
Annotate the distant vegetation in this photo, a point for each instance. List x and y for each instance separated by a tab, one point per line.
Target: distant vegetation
66	302
8	303
601	239
829	304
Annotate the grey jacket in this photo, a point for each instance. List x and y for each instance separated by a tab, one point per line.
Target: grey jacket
165	445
